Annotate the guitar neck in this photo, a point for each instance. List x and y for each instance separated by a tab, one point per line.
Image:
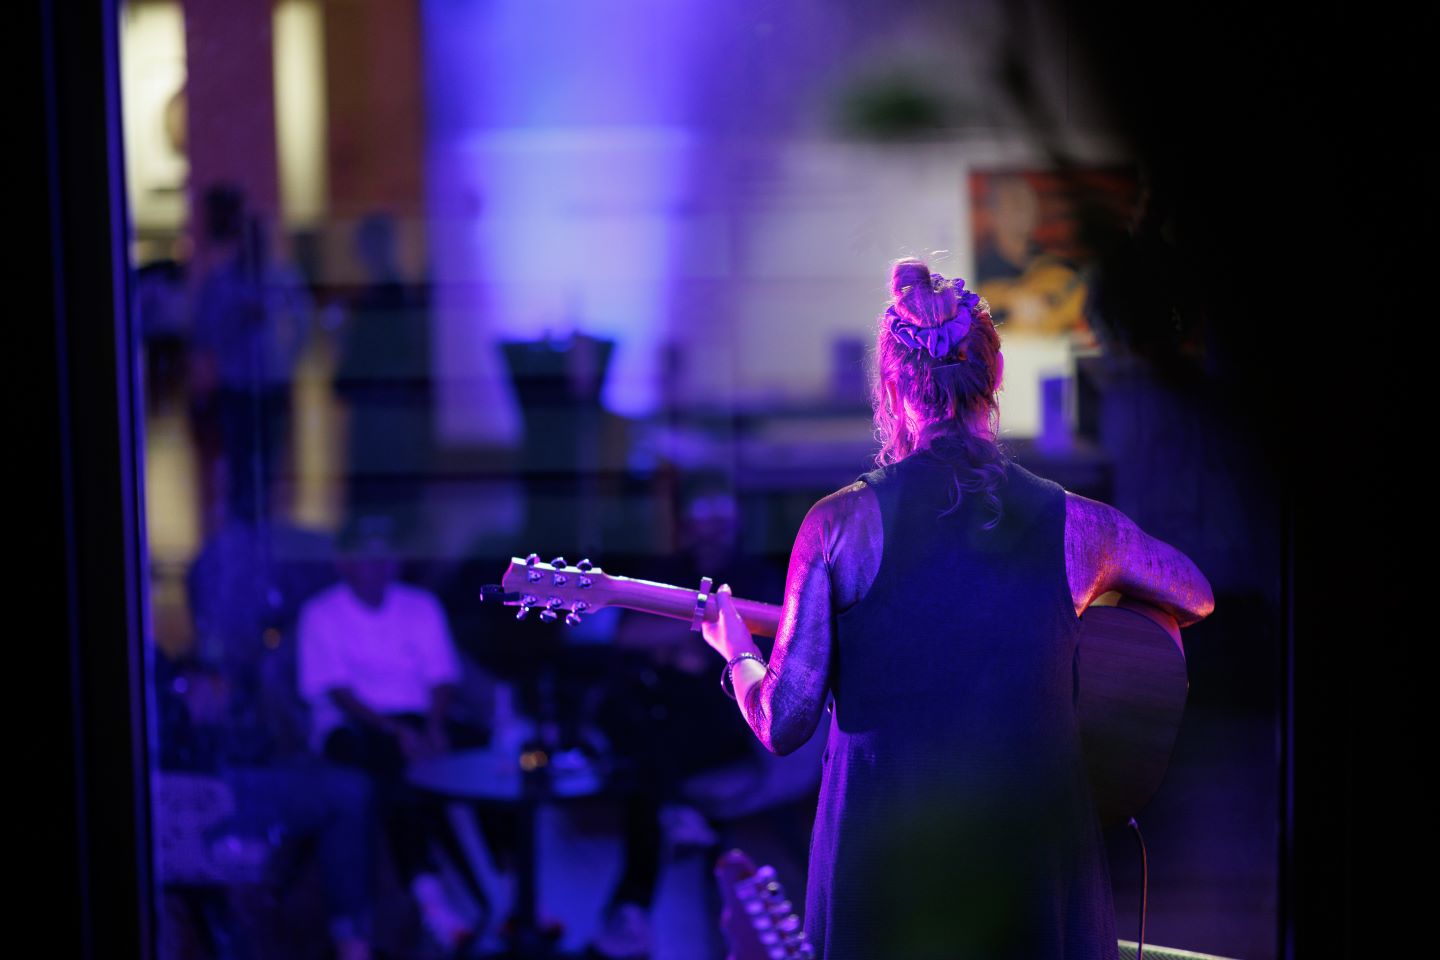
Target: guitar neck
1131	665
646	596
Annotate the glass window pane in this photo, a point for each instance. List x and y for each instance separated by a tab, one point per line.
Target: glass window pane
431	288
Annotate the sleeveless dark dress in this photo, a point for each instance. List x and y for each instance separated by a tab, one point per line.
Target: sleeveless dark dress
955	818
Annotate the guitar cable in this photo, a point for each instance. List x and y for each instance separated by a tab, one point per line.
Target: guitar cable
1144	888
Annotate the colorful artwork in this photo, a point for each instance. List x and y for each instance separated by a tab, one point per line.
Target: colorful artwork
1032	247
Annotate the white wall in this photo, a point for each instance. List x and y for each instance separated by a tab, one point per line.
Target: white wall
656	172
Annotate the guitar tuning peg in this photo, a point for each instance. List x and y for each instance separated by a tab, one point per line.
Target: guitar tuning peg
558	563
522	613
548	615
572	619
585	565
533	559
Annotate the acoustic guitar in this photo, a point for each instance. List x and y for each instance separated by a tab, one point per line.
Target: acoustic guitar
1131	664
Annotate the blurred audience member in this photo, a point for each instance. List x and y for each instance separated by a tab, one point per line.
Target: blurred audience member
252	319
379	669
384	378
160	309
245	591
664	720
231	711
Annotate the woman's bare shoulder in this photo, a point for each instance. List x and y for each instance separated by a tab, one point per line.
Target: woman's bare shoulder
845	529
853	499
853	508
1090	520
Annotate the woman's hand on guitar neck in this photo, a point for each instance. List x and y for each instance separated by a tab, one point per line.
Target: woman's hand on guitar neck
729	636
727	633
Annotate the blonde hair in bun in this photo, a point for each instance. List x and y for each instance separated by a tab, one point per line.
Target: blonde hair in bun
947	394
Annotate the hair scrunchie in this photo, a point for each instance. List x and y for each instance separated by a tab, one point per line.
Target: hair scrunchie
938	340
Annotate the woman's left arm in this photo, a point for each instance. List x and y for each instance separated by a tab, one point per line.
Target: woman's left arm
784	701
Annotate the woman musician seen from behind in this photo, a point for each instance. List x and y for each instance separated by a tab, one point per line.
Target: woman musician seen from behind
938	600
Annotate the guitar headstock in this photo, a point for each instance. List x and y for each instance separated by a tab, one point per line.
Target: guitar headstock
553	588
757	919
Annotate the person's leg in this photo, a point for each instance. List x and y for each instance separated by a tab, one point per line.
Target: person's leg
274	446
626	718
207	436
405	814
396	803
642	837
331	807
343	806
240	431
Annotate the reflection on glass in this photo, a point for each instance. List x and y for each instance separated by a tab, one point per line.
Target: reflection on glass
426	286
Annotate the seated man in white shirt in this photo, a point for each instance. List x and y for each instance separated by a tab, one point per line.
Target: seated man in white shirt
379	669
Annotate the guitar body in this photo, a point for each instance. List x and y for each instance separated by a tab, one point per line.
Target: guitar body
1130	662
1133	687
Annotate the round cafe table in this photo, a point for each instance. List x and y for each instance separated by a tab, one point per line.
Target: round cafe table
486	776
